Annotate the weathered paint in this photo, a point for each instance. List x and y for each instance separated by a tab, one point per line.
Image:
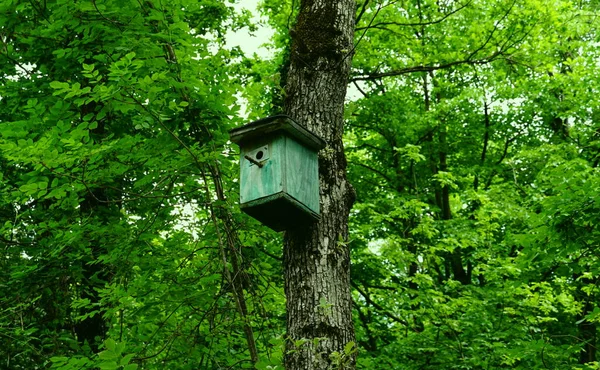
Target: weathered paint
302	174
259	182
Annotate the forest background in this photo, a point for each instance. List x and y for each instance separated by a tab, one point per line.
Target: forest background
473	146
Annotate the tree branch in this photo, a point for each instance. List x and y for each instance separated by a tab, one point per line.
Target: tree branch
414	24
468	60
386	177
359	89
362	11
407	70
378	306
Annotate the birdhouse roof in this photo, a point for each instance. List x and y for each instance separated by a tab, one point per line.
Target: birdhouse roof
271	125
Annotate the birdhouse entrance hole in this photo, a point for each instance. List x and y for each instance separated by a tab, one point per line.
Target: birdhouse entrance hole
258	155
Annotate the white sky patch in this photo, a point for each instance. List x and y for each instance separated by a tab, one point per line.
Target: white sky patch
251	43
353	94
23	71
375	246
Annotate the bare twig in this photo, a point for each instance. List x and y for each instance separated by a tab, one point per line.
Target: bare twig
415	24
407	70
378	306
362	11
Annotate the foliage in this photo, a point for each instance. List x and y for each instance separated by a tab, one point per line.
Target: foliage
118	239
475	194
473	148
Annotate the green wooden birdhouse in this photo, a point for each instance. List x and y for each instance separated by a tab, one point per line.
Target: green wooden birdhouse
279	173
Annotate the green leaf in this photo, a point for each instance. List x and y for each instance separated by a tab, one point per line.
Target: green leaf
111	365
57	85
110	344
125	360
349	348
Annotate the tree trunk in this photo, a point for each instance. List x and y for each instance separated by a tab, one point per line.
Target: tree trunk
317	258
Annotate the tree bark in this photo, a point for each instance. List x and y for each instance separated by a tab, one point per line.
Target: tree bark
317	258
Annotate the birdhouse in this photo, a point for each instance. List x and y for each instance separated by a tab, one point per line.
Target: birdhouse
279	173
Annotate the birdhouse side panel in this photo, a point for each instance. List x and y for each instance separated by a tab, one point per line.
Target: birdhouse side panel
302	174
261	170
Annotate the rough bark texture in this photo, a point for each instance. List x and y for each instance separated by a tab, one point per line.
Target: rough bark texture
317	259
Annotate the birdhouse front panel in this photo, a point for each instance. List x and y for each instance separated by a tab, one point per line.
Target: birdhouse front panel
261	168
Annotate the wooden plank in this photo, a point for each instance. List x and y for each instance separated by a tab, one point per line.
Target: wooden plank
258	182
280	212
301	173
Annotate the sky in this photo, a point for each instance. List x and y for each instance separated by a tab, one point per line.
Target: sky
251	44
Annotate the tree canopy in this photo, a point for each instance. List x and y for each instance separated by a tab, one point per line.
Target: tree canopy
472	138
